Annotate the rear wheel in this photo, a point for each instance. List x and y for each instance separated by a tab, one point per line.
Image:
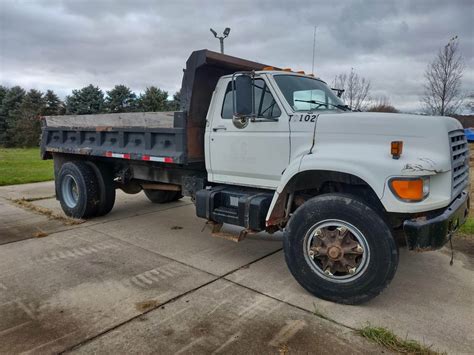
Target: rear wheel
163	196
340	249
78	190
105	179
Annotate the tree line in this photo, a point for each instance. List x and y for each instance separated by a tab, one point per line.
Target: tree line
20	110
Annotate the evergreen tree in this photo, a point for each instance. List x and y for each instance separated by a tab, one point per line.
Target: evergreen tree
153	100
121	99
53	105
87	100
3	92
25	130
175	104
8	112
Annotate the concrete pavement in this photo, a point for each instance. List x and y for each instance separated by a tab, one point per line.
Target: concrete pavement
145	278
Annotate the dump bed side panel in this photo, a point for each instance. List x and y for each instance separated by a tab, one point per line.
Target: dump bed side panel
151	136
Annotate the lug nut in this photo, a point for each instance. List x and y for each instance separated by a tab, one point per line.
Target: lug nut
311	254
359	249
352	270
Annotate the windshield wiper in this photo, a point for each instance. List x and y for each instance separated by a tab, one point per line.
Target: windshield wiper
319	103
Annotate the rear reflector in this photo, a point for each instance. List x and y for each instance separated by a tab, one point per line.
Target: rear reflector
159	159
117	155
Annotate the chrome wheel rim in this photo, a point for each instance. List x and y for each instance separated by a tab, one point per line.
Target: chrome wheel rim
336	250
70	191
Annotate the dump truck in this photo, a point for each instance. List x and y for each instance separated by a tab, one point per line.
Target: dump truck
271	149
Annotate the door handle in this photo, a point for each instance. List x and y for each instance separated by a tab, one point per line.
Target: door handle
219	128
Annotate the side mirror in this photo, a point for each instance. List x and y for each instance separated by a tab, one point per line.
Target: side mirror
243	99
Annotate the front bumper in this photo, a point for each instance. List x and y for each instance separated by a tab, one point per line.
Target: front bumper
433	233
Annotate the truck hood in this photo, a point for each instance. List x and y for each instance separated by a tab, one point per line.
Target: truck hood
426	142
393	124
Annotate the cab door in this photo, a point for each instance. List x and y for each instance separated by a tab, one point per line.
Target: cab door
255	155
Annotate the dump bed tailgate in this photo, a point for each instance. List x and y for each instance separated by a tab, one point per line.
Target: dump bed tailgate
149	136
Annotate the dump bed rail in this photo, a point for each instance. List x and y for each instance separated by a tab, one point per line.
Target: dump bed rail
148	136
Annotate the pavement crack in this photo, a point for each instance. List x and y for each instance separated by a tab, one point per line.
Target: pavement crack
157	306
83	223
28	205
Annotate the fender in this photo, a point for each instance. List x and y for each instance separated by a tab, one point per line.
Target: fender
313	162
371	163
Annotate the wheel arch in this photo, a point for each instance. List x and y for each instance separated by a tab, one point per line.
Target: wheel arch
317	182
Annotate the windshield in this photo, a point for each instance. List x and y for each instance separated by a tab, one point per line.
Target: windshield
307	94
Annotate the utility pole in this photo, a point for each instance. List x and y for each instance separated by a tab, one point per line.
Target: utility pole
221	38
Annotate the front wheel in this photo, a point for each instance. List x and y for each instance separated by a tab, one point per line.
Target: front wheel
340	249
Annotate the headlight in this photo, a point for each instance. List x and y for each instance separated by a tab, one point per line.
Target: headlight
410	189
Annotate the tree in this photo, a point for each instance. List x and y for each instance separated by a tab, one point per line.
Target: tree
382	104
174	105
356	90
443	75
3	92
121	99
8	112
26	129
469	104
87	100
53	105
153	100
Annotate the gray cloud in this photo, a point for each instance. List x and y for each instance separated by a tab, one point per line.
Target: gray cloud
68	44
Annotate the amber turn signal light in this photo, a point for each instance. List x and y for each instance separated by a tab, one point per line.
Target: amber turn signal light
396	149
410	189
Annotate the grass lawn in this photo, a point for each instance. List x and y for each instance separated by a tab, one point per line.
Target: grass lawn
468	227
20	166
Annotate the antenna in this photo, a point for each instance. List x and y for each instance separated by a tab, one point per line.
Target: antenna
314	49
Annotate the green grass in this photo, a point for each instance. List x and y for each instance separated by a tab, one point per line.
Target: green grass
386	338
21	166
468	227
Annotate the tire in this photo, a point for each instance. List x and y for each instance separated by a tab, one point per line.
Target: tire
340	249
105	178
78	190
162	196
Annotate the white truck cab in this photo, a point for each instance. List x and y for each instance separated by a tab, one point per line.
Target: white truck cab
275	150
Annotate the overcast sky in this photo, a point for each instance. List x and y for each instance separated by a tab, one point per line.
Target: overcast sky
65	45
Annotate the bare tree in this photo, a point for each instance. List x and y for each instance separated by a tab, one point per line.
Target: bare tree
356	90
469	104
382	104
443	81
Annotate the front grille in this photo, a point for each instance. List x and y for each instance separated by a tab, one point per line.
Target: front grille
459	161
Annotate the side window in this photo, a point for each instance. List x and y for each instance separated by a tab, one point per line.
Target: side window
228	104
265	104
